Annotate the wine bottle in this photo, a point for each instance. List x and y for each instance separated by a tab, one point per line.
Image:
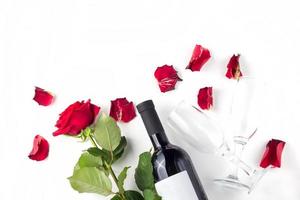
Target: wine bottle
174	174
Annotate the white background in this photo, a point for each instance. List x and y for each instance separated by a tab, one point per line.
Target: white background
108	49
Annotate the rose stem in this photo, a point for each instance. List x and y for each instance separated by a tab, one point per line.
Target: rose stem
93	141
111	171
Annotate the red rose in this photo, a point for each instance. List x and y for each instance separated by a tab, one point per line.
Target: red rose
272	154
76	117
205	99
43	97
233	68
200	56
40	149
167	77
122	110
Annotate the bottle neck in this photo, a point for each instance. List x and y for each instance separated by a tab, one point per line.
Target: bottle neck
152	124
159	140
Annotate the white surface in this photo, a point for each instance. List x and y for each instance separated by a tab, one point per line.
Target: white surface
107	49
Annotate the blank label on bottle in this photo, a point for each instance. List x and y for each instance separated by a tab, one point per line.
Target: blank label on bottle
176	187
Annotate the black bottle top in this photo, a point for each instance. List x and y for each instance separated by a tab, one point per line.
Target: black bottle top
153	125
150	117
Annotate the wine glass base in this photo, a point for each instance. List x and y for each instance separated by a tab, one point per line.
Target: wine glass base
232	182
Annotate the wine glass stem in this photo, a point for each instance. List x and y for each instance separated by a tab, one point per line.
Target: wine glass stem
235	158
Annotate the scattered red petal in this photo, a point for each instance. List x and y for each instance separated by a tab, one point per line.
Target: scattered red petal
200	56
205	98
43	97
122	110
40	149
167	77
233	68
272	154
76	117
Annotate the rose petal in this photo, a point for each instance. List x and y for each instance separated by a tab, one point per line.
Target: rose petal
122	110
76	117
40	149
205	98
167	77
233	68
200	56
272	154
43	97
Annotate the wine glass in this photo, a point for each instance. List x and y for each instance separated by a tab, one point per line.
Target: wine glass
204	134
245	116
246	109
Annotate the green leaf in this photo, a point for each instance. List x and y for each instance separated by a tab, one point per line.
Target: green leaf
91	180
144	177
88	160
105	155
120	148
107	133
116	197
151	195
118	156
129	195
133	195
95	151
121	178
119	151
143	173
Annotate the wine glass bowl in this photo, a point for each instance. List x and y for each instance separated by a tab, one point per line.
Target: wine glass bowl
247	107
192	125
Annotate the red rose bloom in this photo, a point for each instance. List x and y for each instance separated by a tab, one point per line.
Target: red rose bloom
272	154
205	99
76	117
200	56
40	149
167	77
122	110
42	97
233	68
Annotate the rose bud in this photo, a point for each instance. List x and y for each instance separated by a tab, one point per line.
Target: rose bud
76	118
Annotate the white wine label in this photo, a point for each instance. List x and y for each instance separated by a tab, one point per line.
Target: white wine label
176	187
